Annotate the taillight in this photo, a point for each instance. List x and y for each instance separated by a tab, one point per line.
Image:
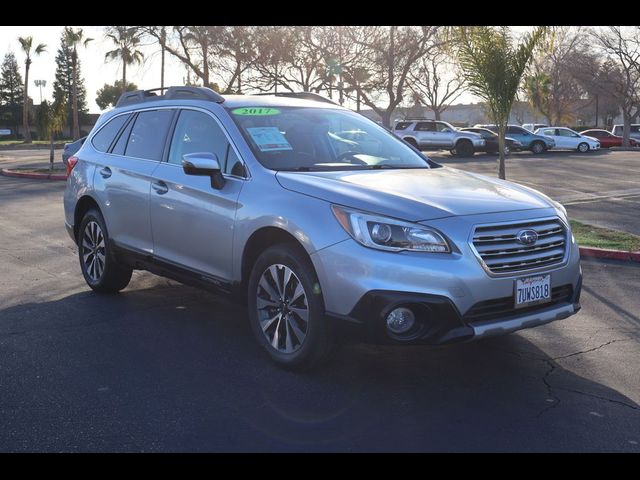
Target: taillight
70	164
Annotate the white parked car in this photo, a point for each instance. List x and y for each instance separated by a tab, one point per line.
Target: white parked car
567	139
532	127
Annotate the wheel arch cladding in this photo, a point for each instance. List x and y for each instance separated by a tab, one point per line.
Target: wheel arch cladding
259	241
84	204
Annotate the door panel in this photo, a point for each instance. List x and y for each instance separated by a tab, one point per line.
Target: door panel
192	222
123	185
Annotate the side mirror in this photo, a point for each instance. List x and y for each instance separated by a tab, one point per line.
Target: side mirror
204	164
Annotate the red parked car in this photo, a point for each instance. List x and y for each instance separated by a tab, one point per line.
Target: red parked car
608	139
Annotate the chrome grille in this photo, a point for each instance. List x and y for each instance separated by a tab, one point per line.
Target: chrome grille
502	253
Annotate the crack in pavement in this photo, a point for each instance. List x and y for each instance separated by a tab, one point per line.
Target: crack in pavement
591	349
618	402
550	393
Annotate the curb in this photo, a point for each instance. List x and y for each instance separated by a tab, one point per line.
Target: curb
30	146
610	254
34	176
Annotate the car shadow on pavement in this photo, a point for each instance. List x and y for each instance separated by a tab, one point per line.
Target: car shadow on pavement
172	368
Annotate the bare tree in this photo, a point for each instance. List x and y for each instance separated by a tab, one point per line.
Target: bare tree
233	53
306	66
436	80
387	55
621	69
192	45
158	34
551	86
275	48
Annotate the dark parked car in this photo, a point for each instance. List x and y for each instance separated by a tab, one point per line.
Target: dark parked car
491	141
530	141
71	148
608	139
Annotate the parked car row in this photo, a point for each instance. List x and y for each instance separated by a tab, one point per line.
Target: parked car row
429	134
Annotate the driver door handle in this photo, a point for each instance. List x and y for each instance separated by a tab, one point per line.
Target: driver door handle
160	187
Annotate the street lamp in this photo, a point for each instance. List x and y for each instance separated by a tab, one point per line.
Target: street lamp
40	83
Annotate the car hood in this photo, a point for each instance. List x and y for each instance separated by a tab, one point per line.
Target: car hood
593	139
414	194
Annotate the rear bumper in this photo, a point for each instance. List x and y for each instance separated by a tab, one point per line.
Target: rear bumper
439	321
70	231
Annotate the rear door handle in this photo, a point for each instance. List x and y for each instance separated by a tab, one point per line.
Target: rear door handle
105	172
160	187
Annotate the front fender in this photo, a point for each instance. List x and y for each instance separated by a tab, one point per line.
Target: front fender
308	219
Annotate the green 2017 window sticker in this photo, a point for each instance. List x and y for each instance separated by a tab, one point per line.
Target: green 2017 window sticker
255	111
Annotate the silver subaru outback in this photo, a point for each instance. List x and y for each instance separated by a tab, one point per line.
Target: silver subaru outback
324	223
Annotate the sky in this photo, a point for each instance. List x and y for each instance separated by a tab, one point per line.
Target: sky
95	70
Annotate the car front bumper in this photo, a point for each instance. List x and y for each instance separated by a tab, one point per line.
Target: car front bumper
361	286
439	321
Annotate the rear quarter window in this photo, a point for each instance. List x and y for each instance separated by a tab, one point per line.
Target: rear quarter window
105	137
402	125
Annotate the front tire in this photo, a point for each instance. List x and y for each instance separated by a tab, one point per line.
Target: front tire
583	148
538	147
286	308
102	272
412	142
464	148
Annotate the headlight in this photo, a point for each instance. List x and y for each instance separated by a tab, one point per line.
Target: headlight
389	234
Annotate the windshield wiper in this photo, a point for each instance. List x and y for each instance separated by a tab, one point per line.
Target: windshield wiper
386	165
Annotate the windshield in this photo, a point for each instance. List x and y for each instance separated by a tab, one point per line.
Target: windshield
300	138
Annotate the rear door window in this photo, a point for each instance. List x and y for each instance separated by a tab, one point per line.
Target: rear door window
425	127
148	134
121	143
402	125
107	134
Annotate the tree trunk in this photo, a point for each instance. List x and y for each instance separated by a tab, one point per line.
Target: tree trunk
74	99
357	100
124	76
501	134
25	106
386	118
626	129
438	114
162	52
51	153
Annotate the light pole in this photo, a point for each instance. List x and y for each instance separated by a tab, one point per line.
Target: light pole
40	83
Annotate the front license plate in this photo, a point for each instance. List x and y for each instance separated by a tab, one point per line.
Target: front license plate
532	290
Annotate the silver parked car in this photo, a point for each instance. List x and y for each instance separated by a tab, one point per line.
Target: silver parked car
325	223
426	134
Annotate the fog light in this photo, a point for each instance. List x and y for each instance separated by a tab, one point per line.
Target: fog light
400	320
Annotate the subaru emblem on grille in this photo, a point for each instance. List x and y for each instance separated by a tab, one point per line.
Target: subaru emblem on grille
527	237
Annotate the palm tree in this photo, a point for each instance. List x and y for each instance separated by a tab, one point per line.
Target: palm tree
73	39
26	43
494	65
51	119
127	40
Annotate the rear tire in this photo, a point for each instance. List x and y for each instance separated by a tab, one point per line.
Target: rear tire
283	292
538	147
464	148
102	272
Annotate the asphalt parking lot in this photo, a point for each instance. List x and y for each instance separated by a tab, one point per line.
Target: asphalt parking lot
165	367
601	188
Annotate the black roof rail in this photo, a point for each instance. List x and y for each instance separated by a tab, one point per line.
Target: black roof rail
417	118
172	93
305	95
